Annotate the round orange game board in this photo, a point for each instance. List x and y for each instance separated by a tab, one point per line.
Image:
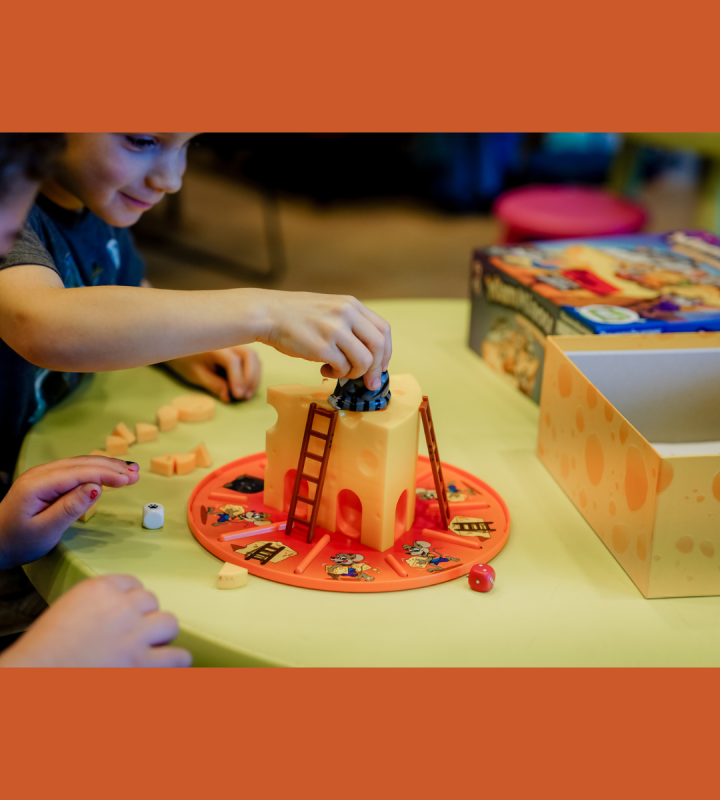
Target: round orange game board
424	555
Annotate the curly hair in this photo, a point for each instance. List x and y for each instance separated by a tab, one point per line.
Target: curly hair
28	155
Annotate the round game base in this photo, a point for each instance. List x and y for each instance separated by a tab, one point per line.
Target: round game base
229	502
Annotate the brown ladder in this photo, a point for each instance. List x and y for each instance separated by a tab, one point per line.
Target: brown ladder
314	411
440	489
265	553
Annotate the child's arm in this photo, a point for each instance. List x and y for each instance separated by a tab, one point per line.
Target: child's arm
103	622
116	327
44	501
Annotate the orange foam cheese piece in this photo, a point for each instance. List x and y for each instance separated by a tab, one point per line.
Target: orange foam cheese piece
145	432
116	445
184	463
167	418
202	457
231	576
194	407
121	429
163	465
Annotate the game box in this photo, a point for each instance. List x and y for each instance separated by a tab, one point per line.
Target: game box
646	283
630	430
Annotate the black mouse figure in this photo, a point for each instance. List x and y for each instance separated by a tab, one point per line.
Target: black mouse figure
353	395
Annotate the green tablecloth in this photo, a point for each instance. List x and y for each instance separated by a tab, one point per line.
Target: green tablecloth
560	598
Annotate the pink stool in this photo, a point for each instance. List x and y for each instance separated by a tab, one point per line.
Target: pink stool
565	212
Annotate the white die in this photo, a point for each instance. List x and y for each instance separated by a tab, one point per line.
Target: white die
153	516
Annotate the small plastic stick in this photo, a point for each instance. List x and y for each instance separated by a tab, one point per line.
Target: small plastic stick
312	555
396	565
245	532
463	541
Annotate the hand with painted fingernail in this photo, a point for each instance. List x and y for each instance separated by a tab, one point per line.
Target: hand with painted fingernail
44	501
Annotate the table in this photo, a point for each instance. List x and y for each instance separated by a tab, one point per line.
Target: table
560	599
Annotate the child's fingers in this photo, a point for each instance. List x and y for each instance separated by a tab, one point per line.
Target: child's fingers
204	377
337	365
158	628
60	515
383	327
231	360
119	465
252	371
53	484
374	341
168	657
121	581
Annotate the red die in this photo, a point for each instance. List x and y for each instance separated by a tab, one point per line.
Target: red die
481	578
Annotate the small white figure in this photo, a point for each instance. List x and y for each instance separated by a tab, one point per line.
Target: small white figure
153	516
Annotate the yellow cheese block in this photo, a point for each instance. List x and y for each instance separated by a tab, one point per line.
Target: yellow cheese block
369	491
194	407
167	418
146	432
163	465
202	457
116	445
231	576
184	463
121	429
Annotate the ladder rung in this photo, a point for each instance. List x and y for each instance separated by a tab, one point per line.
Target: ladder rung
319	435
295	521
307	477
305	500
313	456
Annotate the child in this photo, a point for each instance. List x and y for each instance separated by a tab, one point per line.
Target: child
70	300
103	622
108	621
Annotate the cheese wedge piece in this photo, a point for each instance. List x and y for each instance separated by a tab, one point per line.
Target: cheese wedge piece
167	418
145	432
194	407
231	577
121	429
163	465
202	457
116	445
184	463
90	512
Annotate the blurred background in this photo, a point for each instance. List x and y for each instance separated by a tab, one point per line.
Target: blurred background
397	215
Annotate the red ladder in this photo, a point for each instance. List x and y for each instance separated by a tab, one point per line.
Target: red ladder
319	482
440	489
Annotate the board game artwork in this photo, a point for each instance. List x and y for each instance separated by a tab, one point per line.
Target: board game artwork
646	283
341	501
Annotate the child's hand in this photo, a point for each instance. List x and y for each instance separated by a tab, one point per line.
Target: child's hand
352	340
232	372
44	501
103	622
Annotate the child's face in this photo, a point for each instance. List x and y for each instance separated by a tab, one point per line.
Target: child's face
118	176
14	207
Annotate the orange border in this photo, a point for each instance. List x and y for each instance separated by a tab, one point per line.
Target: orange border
390	65
399	733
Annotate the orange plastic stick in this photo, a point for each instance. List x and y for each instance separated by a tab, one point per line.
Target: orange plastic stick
238	498
228	537
396	565
463	541
313	554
